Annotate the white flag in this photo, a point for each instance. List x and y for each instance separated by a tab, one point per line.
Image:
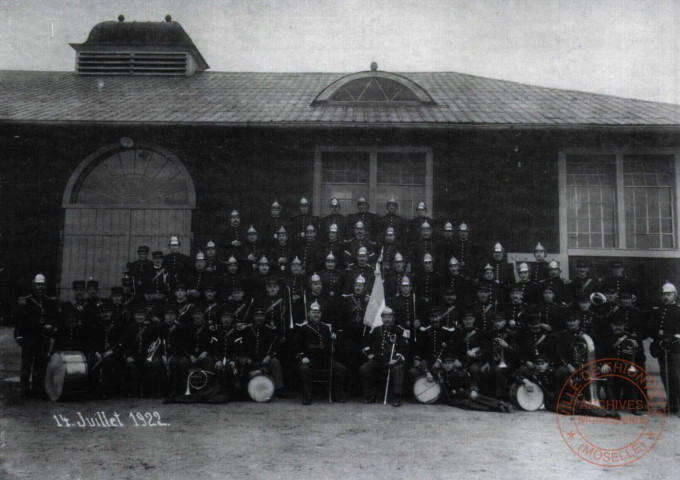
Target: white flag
376	304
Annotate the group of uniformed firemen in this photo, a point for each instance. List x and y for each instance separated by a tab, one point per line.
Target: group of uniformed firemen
289	296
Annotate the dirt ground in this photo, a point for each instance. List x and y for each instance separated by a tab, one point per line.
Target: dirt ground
284	439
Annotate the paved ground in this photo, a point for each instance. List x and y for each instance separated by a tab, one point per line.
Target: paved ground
283	439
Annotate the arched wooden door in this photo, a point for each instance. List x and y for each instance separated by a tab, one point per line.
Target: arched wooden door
116	200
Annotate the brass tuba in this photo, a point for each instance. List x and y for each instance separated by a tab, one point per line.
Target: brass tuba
583	352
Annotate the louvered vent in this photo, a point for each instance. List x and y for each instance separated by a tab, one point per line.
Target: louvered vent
132	63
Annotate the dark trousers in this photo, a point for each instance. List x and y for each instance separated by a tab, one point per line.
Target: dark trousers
373	370
670	375
179	370
142	377
33	364
307	374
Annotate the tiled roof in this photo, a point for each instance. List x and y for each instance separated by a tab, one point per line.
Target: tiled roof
285	98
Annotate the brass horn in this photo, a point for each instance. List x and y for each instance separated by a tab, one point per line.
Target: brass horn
597	298
197	380
499	353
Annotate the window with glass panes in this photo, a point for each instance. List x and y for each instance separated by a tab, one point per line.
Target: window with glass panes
621	200
376	174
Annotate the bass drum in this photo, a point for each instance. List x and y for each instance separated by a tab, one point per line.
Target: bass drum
527	397
66	375
261	388
426	392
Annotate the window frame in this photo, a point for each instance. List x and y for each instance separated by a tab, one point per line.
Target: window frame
373	152
620	250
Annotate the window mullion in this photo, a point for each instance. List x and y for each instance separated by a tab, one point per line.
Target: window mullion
620	203
373	181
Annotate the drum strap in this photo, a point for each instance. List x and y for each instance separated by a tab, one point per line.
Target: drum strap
539	341
619	341
159	273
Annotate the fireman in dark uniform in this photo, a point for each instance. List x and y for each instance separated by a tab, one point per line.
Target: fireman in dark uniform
310	251
666	346
36	318
213	264
502	356
484	308
234	236
302	220
282	253
141	376
294	293
332	279
471	346
175	263
107	340
175	355
414	224
334	218
252	250
202	338
394	276
357	242
446	247
391	219
488	280
559	286
460	390
503	273
406	312
270	227
140	268
516	308
369	220
530	290
231	278
210	304
618	280
361	267
315	347
225	354
197	277
386	348
583	284
534	342
260	349
428	284
424	244
552	314
465	250
389	248
622	345
459	282
353	328
433	342
158	277
77	305
335	246
539	268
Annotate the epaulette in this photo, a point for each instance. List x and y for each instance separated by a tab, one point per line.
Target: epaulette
271	327
449	329
425	329
301	324
347	295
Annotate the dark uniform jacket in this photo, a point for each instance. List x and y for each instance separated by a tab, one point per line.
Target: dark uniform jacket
531	344
379	343
138	338
433	344
313	340
34	313
258	342
465	340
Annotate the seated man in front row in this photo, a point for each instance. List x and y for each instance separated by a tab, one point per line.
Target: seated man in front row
387	349
315	346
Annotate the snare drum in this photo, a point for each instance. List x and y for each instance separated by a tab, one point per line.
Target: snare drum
66	375
426	392
261	388
529	398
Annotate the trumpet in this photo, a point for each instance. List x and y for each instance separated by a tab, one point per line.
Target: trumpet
153	348
597	298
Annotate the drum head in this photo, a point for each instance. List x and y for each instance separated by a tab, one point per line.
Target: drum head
66	373
527	398
426	392
54	376
261	388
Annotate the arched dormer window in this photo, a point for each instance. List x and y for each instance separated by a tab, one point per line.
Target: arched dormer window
375	88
